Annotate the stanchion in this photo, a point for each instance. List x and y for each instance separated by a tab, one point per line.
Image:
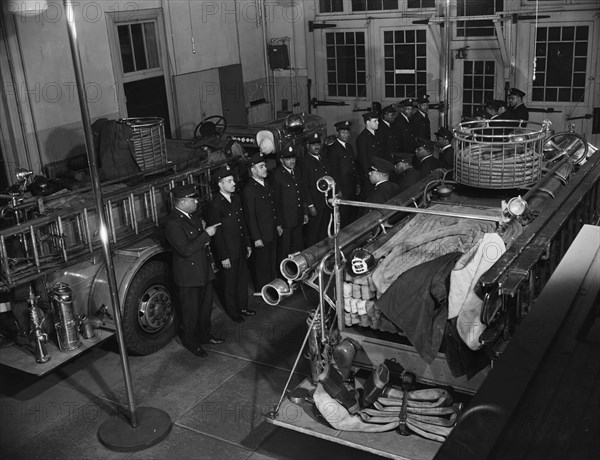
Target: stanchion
145	426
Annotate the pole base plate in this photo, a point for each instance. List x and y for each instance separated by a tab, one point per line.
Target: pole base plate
153	425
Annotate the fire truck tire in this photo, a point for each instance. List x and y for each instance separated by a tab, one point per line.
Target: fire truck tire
148	318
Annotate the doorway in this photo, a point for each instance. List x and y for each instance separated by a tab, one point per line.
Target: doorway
139	59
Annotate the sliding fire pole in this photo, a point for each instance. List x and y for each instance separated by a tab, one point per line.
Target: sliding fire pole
146	426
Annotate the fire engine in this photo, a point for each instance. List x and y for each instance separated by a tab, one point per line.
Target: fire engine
50	246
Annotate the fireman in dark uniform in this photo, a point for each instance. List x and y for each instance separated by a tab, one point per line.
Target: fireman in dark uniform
342	164
424	155
231	246
516	108
390	142
368	146
312	168
419	122
263	226
380	173
292	212
406	140
192	270
446	153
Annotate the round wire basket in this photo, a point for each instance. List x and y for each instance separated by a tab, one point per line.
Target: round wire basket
147	141
499	154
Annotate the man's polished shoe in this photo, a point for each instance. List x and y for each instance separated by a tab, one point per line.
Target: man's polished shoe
248	312
216	340
199	351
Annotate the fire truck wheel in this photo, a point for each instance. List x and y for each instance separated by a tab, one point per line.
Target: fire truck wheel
148	319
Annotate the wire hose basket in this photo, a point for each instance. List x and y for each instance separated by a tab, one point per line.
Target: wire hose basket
499	154
147	141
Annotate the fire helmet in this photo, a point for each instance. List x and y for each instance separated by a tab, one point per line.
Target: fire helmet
361	262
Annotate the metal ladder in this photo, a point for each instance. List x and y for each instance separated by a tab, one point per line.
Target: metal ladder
67	230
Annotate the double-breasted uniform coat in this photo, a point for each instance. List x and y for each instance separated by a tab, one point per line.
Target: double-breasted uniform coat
404	134
390	143
230	242
420	125
290	207
368	146
342	164
193	275
383	192
313	168
262	221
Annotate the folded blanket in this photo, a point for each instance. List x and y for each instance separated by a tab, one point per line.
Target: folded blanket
464	300
426	238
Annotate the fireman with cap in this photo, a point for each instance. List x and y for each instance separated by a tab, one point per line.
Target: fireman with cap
419	122
231	246
424	157
290	206
342	164
516	107
379	175
406	140
390	142
263	225
368	146
312	168
444	142
189	240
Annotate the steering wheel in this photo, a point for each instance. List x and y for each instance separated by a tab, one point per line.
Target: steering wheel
569	144
213	126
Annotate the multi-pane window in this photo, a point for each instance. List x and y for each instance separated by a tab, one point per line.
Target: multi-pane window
405	63
138	45
331	6
477	27
346	64
478	85
420	4
374	5
561	63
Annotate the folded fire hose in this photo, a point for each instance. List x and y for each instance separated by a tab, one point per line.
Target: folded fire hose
429	413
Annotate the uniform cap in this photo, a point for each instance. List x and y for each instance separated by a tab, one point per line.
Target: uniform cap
422	99
314	139
256	158
445	133
406	102
343	125
185	191
381	165
388	109
422	142
369	115
516	92
223	172
288	152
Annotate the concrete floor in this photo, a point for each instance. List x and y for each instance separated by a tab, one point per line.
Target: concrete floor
217	404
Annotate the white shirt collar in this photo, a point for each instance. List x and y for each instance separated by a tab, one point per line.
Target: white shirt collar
189	216
386	123
226	195
260	181
445	147
341	142
381	182
371	131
